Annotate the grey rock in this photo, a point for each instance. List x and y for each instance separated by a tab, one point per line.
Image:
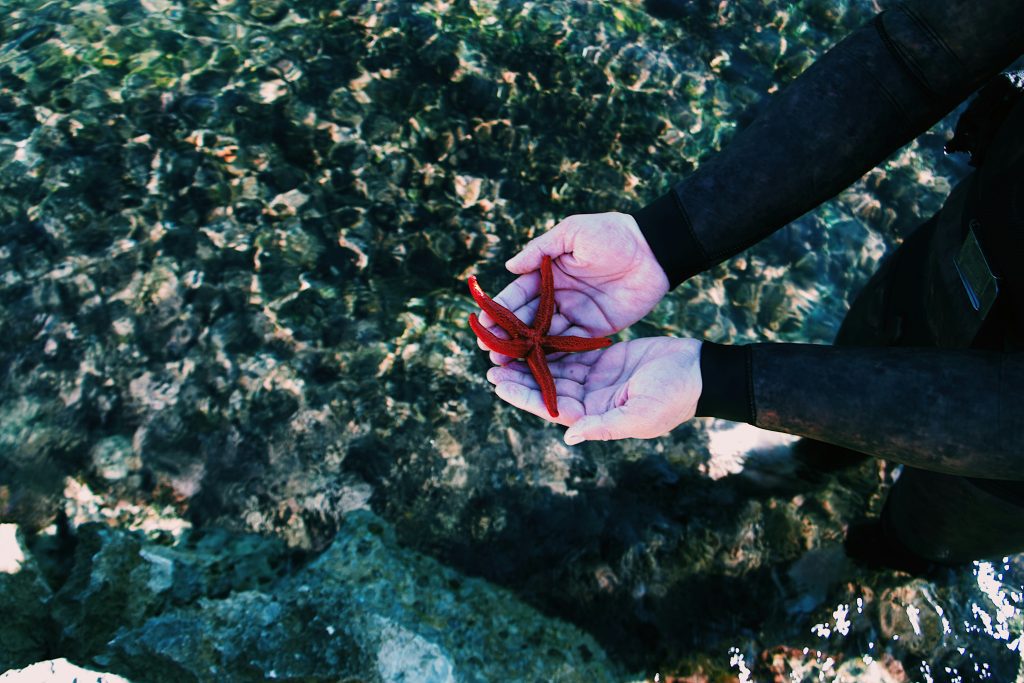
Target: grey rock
410	608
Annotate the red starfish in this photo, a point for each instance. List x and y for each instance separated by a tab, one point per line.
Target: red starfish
530	342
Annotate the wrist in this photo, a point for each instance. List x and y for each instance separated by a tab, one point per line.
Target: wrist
726	387
666	227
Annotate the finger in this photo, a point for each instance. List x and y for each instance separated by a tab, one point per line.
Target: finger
569	371
519	293
563	387
555	242
500	360
511	374
618	423
517	365
530	400
493	329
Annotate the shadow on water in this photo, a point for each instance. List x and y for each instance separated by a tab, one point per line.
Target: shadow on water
658	564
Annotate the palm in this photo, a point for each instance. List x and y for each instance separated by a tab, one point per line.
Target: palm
653	383
606	277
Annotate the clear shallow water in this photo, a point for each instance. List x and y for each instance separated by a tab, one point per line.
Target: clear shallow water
234	238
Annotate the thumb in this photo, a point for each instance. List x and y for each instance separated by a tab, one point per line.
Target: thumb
554	243
615	424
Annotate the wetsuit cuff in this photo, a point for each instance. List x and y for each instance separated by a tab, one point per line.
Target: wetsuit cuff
727	391
667	229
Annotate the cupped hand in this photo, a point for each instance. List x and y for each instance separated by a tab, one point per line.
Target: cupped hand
606	277
639	389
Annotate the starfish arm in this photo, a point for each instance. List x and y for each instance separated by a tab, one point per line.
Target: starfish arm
516	348
539	367
546	308
573	344
505	318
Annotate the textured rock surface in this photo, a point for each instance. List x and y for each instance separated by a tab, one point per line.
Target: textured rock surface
365	609
24	603
233	243
118	580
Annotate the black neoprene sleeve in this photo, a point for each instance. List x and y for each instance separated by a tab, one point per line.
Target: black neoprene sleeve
950	410
729	393
957	411
873	92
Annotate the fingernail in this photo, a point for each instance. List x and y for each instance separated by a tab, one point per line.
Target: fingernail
573	439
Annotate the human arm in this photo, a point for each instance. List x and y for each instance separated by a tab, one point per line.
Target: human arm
876	90
872	93
957	411
952	411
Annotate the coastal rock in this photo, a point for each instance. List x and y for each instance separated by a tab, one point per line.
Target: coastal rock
366	609
112	583
24	603
247	636
120	579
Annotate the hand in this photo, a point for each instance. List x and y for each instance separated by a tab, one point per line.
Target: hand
636	389
606	277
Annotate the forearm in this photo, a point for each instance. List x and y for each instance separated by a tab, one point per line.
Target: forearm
875	91
952	411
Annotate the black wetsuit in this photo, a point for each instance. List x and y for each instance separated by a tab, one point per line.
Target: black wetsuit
917	375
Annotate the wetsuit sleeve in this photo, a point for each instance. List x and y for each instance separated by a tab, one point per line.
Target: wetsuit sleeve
952	411
879	88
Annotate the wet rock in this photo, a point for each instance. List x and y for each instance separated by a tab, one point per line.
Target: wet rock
397	588
24	601
249	635
111	584
365	609
908	613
